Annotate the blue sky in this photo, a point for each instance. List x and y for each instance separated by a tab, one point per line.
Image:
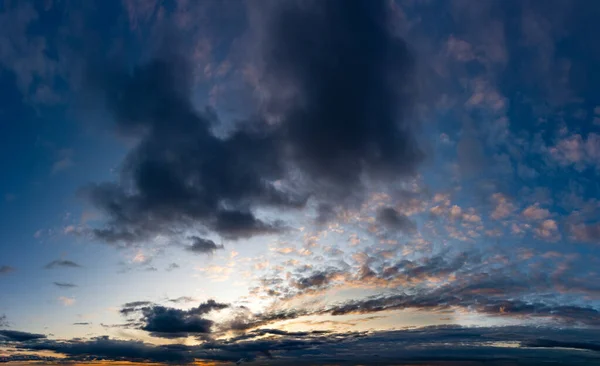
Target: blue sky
201	181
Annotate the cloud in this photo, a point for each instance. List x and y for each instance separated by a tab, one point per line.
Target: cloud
344	121
112	349
534	212
166	322
6	269
25	54
395	220
184	299
548	230
18	336
503	208
587	233
66	301
315	280
577	151
202	246
64	284
3	321
58	263
133	306
431	345
64	161
172	267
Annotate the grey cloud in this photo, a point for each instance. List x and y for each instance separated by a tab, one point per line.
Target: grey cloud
448	296
202	246
112	349
438	345
3	321
61	263
168	322
315	280
133	306
64	285
183	299
391	218
172	266
18	336
349	120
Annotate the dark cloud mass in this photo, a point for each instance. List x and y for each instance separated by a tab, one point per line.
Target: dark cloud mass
112	349
347	120
352	89
18	336
439	345
168	322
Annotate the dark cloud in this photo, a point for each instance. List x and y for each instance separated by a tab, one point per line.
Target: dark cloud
3	321
64	285
182	173
173	323
392	219
202	246
315	280
82	323
133	306
112	349
440	345
347	121
168	322
61	263
18	336
6	270
349	112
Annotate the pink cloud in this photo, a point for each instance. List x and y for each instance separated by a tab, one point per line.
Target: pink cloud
588	233
503	207
548	230
534	212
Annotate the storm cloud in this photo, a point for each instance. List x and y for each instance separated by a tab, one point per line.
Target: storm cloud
348	120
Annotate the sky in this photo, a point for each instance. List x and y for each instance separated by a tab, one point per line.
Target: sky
310	182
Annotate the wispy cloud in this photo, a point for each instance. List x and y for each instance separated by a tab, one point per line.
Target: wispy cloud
66	301
61	263
6	269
